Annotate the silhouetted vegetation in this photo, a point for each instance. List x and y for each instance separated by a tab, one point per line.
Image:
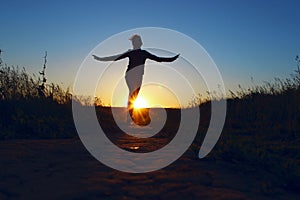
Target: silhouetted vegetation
262	130
25	114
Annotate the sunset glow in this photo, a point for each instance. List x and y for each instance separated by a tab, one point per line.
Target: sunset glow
140	102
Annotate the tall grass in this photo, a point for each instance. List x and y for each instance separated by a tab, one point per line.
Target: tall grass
286	86
262	130
16	84
26	114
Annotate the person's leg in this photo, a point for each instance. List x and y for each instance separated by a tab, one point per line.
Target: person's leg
134	79
131	99
134	83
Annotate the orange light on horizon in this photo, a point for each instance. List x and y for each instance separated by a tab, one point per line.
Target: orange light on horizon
150	96
140	102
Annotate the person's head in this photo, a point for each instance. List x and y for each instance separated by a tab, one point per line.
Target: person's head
136	41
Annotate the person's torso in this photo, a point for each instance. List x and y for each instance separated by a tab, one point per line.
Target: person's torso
137	58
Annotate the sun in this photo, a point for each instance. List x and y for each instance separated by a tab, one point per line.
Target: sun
140	102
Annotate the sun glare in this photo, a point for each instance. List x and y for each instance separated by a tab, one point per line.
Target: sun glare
140	102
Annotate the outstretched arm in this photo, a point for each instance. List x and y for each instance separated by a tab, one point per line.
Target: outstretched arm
110	58
162	59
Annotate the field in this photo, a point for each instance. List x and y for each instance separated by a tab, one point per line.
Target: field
257	156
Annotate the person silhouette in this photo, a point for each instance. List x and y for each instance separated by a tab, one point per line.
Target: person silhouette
137	58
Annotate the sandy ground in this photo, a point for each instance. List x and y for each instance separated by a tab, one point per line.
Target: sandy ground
63	169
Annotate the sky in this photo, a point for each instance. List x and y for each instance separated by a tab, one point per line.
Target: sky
257	39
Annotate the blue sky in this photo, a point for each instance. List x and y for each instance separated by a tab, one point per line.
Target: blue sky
258	39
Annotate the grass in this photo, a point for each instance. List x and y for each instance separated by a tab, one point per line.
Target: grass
262	130
25	114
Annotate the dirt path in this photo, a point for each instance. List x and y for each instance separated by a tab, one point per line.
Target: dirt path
63	169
